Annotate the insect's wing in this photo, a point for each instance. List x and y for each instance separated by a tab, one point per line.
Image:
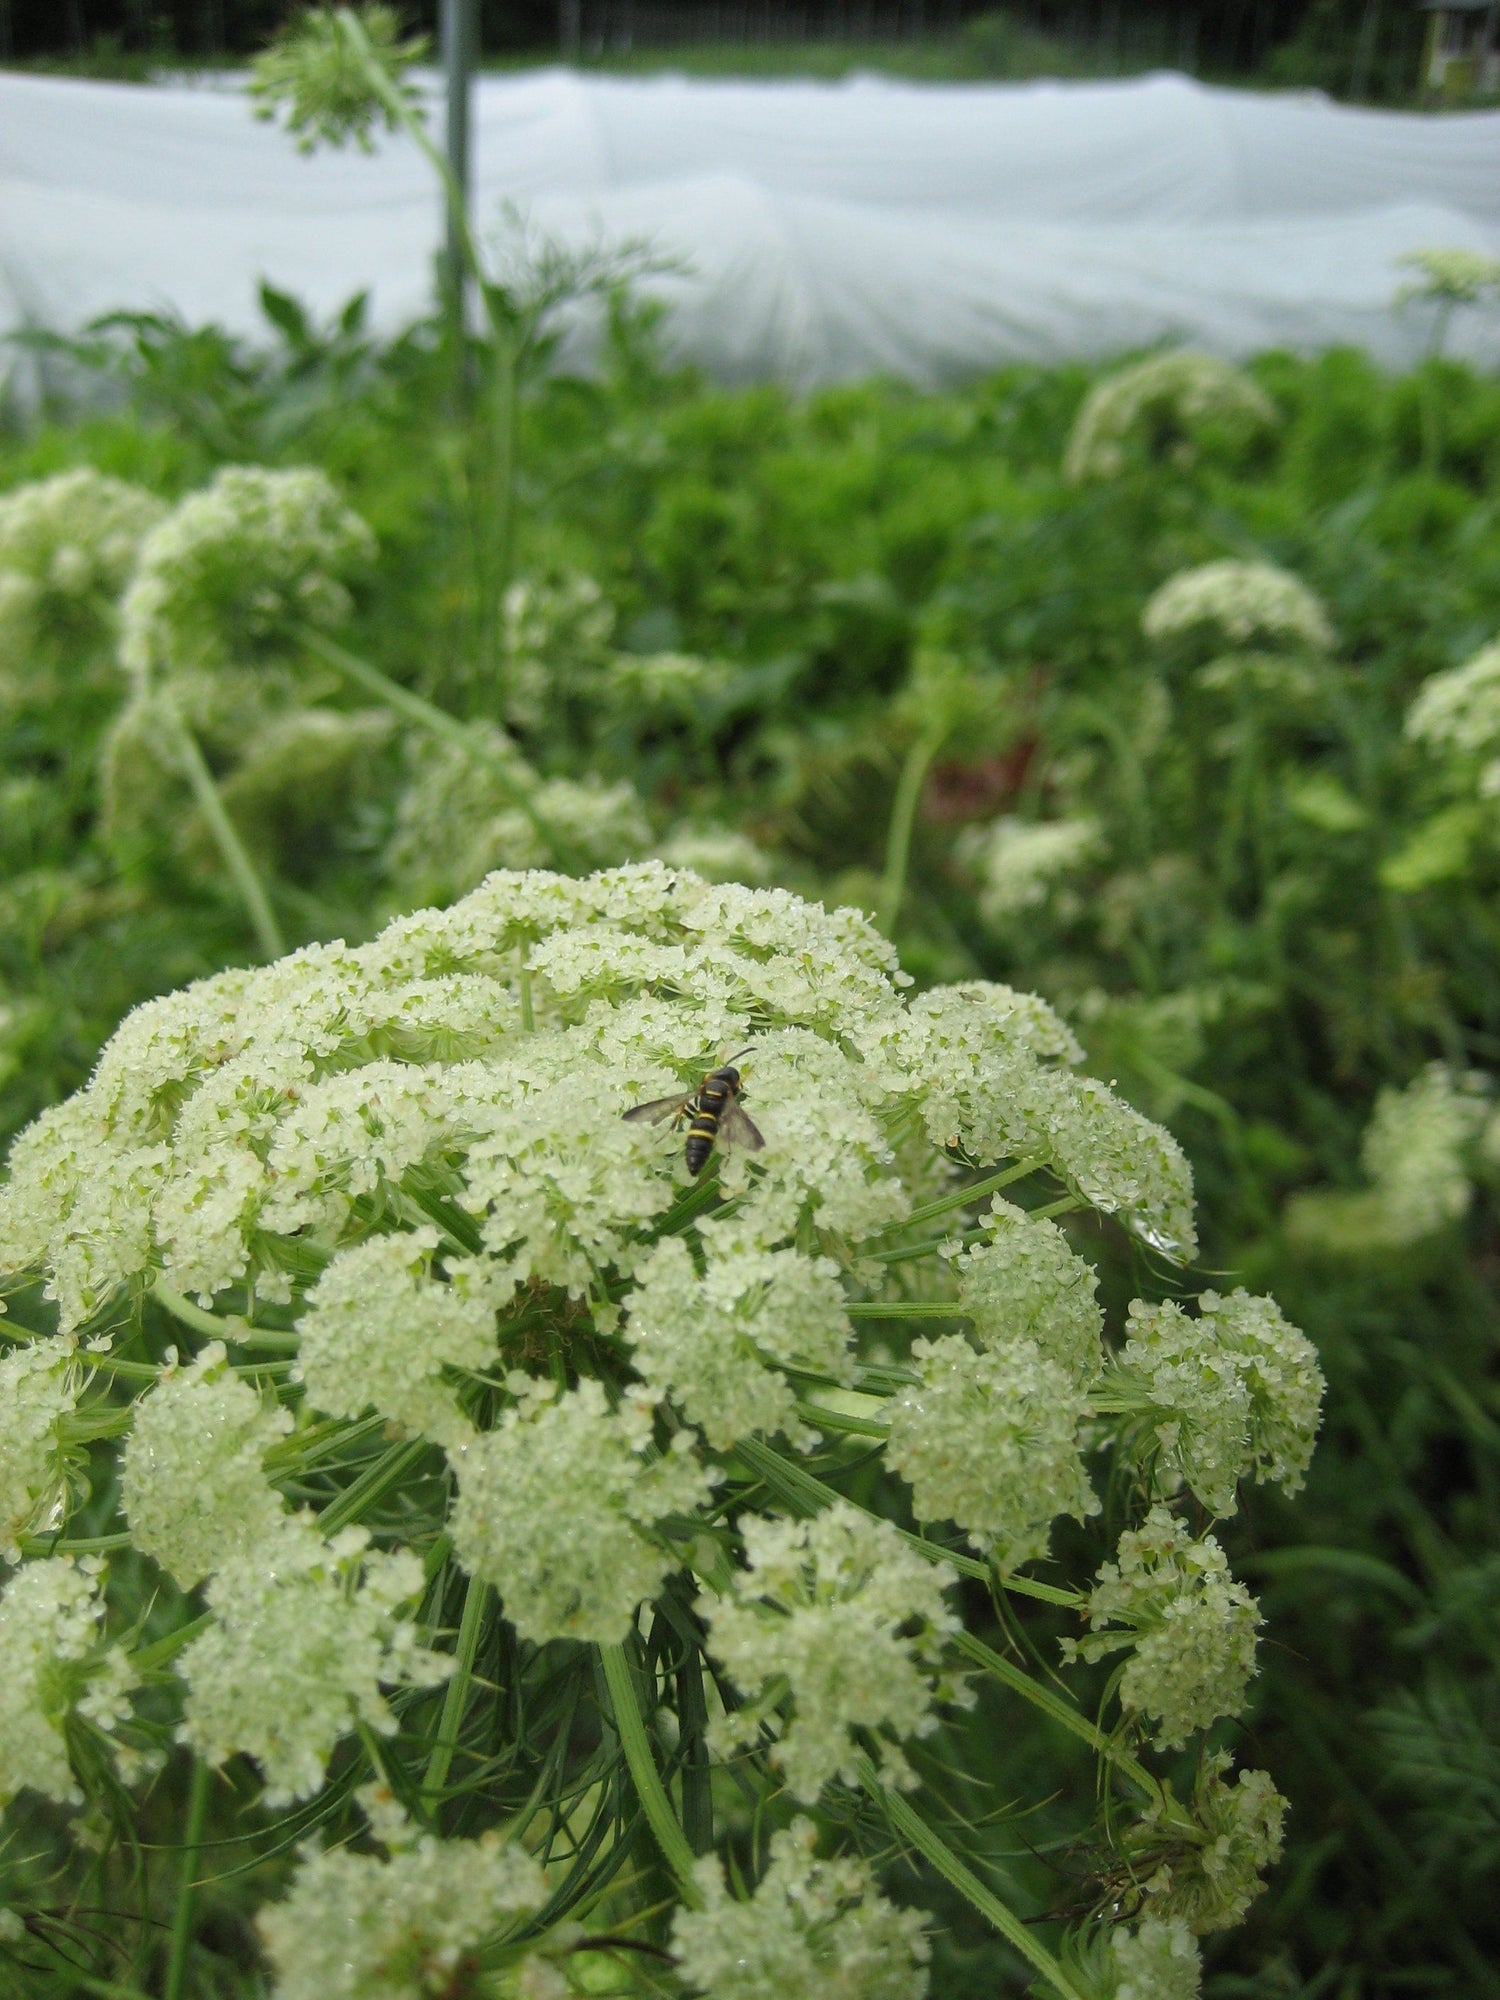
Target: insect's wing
658	1108
737	1129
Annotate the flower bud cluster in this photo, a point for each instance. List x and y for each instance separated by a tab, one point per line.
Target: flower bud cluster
55	1663
39	1386
1191	1625
1020	862
67	545
1212	1855
372	1927
465	812
812	1926
316	75
1164	399
1240	602
1418	1151
1238	1389
1451	274
842	1614
1456	716
222	580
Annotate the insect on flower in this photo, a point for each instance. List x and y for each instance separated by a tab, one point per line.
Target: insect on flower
714	1111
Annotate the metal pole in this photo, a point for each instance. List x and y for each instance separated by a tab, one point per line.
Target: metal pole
459	48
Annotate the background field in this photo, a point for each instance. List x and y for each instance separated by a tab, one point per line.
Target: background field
1287	907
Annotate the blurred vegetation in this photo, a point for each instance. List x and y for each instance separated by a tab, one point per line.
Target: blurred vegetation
1367	50
1276	917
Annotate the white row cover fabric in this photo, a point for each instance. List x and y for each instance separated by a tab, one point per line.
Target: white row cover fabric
821	231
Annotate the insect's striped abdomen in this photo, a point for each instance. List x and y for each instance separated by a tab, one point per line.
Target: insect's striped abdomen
701	1133
713	1094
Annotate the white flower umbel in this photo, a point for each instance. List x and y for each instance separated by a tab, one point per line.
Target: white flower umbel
1159	404
1191	1626
558	1507
1238	1389
54	1663
305	1634
991	1441
1027	1283
468	810
402	1927
712	1339
1450	274
39	1385
1457	713
1417	1145
380	1328
1241	602
1213	1854
811	1927
839	1615
234	568
1418	1152
67	545
410	1160
978	1056
1020	862
1158	1960
717	853
193	1484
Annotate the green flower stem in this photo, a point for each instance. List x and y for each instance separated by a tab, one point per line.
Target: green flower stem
372	1485
528	1016
77	1545
500	459
903	819
404	113
906	1309
840	1420
456	1696
1064	1205
649	1789
437	722
161	1651
182	1920
198	1317
795	1487
231	848
1060	1711
910	1825
961	1197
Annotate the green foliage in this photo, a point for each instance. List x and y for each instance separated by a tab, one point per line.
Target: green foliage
1284	907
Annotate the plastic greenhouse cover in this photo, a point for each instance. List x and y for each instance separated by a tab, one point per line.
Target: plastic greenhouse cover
816	231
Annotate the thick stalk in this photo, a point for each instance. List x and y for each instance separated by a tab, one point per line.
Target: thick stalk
649	1789
182	1920
231	848
930	1844
903	818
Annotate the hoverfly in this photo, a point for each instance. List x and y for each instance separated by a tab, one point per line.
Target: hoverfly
713	1111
